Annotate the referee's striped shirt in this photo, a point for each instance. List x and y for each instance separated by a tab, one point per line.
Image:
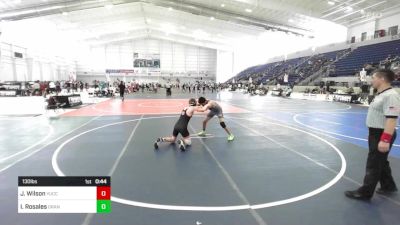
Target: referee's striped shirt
386	104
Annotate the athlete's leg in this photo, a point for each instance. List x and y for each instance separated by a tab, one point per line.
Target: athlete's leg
186	141
205	122
170	139
223	125
167	139
208	118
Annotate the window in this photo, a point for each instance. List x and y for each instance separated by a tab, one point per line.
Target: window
364	36
393	30
18	55
379	33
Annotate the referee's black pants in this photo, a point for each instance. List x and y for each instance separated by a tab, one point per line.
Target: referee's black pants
378	168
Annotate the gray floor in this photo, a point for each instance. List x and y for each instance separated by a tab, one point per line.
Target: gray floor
273	158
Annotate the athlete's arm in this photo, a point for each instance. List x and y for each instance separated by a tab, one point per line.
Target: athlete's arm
190	111
202	109
199	109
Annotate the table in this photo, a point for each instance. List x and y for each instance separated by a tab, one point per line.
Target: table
8	93
352	98
69	100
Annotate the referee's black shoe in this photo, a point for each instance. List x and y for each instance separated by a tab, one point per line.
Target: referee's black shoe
357	195
386	191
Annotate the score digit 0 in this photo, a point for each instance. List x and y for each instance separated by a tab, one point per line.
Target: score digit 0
103	193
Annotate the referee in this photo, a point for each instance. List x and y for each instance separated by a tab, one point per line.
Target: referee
381	121
122	90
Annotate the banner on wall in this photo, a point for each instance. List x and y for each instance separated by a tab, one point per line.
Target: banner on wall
138	71
112	71
147	60
146	63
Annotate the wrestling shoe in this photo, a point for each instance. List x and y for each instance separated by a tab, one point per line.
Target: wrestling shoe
231	137
156	143
202	133
181	145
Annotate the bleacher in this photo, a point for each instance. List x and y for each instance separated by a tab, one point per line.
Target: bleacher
271	71
279	69
371	54
351	63
333	55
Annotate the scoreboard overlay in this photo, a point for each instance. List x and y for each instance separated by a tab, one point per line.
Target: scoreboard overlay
64	194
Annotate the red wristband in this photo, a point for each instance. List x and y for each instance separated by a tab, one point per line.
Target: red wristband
385	137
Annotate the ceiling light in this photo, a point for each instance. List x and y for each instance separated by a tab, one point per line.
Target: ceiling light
349	9
65	13
222	5
168	28
291	21
148	20
170	8
4	15
200	34
248	10
212	18
109	6
331	3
